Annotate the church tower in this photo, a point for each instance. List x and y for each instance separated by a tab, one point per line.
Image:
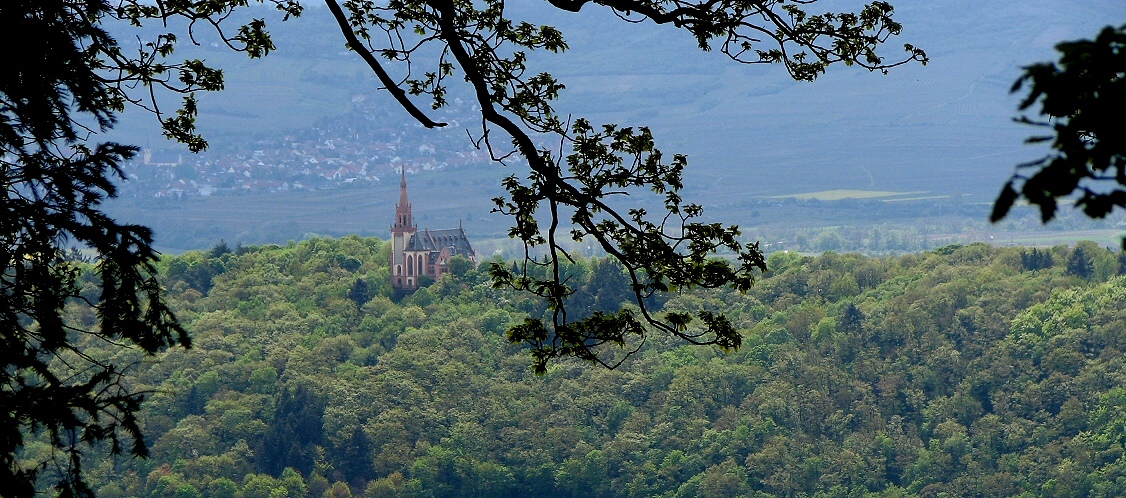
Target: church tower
421	257
402	274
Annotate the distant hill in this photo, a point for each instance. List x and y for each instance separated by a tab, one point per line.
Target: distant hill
944	129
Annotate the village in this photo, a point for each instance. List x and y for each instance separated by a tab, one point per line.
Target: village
360	147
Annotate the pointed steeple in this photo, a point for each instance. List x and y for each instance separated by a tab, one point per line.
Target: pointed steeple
403	219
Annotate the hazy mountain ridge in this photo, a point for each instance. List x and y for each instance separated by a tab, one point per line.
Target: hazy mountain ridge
918	126
748	130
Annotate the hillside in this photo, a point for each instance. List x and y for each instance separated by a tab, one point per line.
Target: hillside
944	128
968	371
750	133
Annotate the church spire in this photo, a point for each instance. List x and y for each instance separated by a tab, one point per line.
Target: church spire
403	208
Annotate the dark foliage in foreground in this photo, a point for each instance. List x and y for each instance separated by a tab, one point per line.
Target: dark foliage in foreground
1082	100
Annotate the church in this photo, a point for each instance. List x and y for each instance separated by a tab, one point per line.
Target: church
416	254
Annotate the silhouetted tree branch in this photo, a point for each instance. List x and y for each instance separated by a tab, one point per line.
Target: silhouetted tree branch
1082	102
568	194
65	79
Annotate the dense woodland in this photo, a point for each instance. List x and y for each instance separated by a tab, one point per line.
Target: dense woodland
965	371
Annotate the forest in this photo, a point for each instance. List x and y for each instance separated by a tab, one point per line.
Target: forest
963	371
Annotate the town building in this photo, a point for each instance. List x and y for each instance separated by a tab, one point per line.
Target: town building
422	254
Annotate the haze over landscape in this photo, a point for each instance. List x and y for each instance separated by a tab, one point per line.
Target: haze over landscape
940	134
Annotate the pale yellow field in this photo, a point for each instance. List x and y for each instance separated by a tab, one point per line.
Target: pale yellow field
839	194
921	198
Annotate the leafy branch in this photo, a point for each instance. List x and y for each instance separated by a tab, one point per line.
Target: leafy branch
1082	101
569	194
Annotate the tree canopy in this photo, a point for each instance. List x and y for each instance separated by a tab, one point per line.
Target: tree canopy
964	371
71	78
1081	101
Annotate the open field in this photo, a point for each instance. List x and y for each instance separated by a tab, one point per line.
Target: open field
841	194
1111	238
858	221
920	198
